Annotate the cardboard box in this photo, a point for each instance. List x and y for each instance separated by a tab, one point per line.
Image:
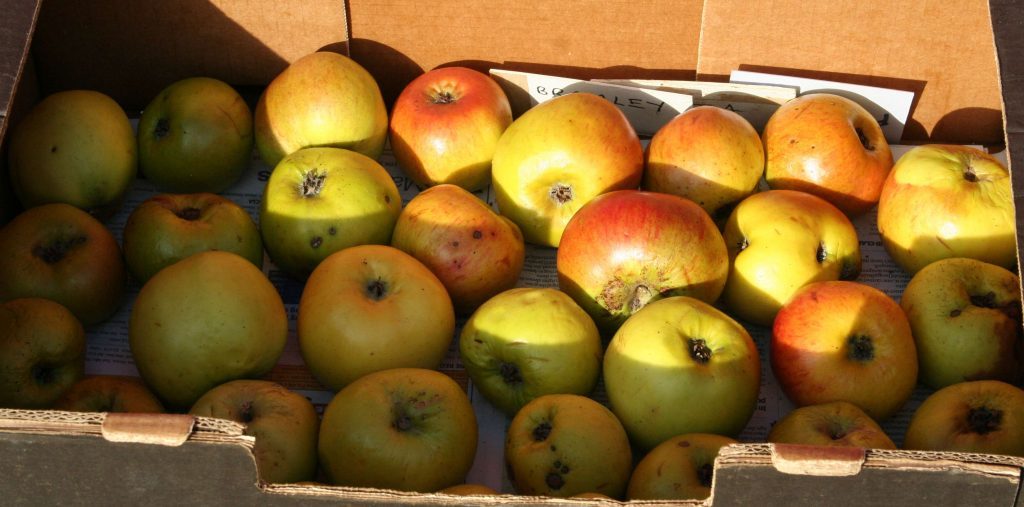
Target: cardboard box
951	54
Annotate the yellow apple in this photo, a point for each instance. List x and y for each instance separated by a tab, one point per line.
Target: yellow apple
680	468
984	416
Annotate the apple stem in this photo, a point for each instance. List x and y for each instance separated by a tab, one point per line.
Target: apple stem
970	175
864	140
560	193
54	251
983	420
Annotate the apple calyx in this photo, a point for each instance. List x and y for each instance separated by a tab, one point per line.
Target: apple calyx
969	174
542	431
312	183
53	251
402	421
246	414
561	193
835	430
43	374
699	350
554	479
163	127
510	374
705	474
860	348
190	213
376	289
983	420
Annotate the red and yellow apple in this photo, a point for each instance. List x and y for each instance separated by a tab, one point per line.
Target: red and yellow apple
680	468
835	423
829	146
983	416
42	352
445	125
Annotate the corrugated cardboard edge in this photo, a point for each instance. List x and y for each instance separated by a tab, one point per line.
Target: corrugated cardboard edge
16	29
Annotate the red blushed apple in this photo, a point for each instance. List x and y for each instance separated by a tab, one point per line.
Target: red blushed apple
627	248
445	125
844	341
829	146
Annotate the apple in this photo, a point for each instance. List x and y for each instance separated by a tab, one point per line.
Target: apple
202	321
707	154
469	490
321	99
196	135
835	423
169	227
627	248
475	252
829	146
42	352
567	444
528	342
944	201
107	393
408	429
779	241
844	341
75	147
284	423
559	155
680	468
59	252
321	200
680	365
982	416
965	315
369	308
445	126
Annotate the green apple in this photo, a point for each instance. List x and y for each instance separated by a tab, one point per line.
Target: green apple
965	315
445	125
321	200
680	468
680	365
205	320
196	135
59	252
558	156
321	99
707	154
528	342
75	147
944	201
779	241
566	444
369	308
982	416
42	352
409	429
475	252
107	393
284	423
169	227
836	423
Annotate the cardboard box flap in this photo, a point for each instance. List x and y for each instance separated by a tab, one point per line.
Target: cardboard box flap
16	29
163	429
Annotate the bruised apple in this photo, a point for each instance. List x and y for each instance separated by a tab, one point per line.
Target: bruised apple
475	252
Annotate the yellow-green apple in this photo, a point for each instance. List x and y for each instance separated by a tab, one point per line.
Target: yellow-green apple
829	146
559	155
844	341
196	135
409	429
369	308
75	147
680	468
966	318
108	393
567	444
528	342
202	321
707	154
475	252
835	423
468	490
983	416
945	201
42	352
627	248
59	252
321	200
321	99
779	241
680	365
284	423
166	228
445	126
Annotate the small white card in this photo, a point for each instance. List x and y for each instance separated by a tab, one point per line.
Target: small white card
890	107
646	109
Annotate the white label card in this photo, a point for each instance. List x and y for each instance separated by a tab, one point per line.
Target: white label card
645	108
890	107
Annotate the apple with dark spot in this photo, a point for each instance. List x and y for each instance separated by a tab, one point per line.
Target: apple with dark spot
680	468
42	352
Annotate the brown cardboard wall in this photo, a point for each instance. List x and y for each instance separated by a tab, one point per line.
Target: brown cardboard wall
940	50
